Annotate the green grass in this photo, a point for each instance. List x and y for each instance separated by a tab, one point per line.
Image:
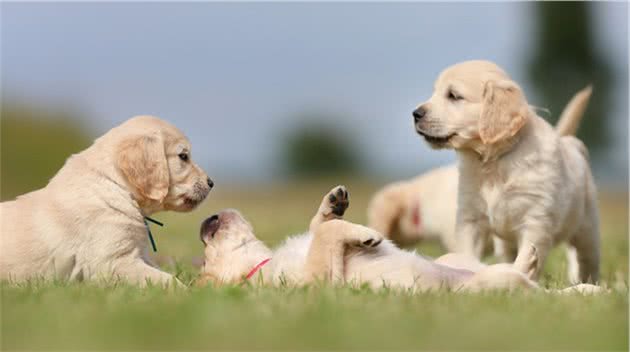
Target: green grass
82	316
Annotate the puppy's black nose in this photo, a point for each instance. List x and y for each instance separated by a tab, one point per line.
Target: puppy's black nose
210	183
419	113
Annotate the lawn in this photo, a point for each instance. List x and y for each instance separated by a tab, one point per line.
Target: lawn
81	316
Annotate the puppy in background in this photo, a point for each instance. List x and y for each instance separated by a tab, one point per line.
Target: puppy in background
520	179
425	207
88	222
420	209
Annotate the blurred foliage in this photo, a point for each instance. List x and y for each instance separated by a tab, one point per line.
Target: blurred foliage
34	145
319	149
565	59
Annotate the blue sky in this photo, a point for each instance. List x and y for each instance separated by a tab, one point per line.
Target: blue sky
234	76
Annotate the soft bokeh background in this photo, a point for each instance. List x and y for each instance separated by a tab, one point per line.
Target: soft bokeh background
242	79
282	101
294	97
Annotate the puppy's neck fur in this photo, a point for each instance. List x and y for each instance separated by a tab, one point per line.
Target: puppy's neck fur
490	153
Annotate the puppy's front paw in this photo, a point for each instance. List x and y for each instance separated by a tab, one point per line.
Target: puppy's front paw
337	201
367	238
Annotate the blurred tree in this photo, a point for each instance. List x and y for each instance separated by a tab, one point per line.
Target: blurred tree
34	144
565	59
318	149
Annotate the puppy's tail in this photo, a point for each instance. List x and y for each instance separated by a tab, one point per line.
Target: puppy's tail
572	114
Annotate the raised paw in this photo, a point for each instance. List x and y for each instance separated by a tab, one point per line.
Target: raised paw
337	201
333	206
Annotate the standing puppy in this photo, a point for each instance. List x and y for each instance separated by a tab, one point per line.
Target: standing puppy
519	178
425	207
88	222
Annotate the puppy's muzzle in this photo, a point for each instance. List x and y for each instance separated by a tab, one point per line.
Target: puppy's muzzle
419	114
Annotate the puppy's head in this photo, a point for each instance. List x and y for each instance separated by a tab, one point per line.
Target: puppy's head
230	247
156	161
473	103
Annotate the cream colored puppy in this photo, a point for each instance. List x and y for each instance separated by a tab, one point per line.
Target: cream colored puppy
88	222
420	209
425	207
520	179
338	251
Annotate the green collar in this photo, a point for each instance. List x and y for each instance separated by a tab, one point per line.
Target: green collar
149	230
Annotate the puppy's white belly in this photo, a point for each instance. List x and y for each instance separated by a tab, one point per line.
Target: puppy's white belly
289	259
396	268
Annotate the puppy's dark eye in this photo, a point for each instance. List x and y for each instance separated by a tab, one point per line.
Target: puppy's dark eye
183	156
453	96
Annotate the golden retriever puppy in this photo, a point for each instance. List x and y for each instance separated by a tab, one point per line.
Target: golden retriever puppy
520	179
425	207
337	251
88	222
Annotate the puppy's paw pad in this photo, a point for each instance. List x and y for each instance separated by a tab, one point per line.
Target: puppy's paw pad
372	242
369	239
338	200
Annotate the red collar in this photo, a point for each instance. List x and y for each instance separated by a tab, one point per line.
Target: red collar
256	268
416	217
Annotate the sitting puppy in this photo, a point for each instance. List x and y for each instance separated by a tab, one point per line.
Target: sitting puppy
338	251
520	179
425	207
88	222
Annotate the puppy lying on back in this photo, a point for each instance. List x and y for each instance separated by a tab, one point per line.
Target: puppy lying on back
338	251
520	179
88	222
425	207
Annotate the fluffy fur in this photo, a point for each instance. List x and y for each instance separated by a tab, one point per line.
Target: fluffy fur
520	179
420	209
87	223
425	207
337	251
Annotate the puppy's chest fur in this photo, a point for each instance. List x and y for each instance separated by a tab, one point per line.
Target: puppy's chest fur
496	207
503	202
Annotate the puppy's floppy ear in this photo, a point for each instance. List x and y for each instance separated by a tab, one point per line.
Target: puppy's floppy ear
503	113
205	237
142	160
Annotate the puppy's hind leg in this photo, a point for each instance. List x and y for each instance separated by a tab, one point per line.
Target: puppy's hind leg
331	240
333	206
386	208
332	237
583	256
